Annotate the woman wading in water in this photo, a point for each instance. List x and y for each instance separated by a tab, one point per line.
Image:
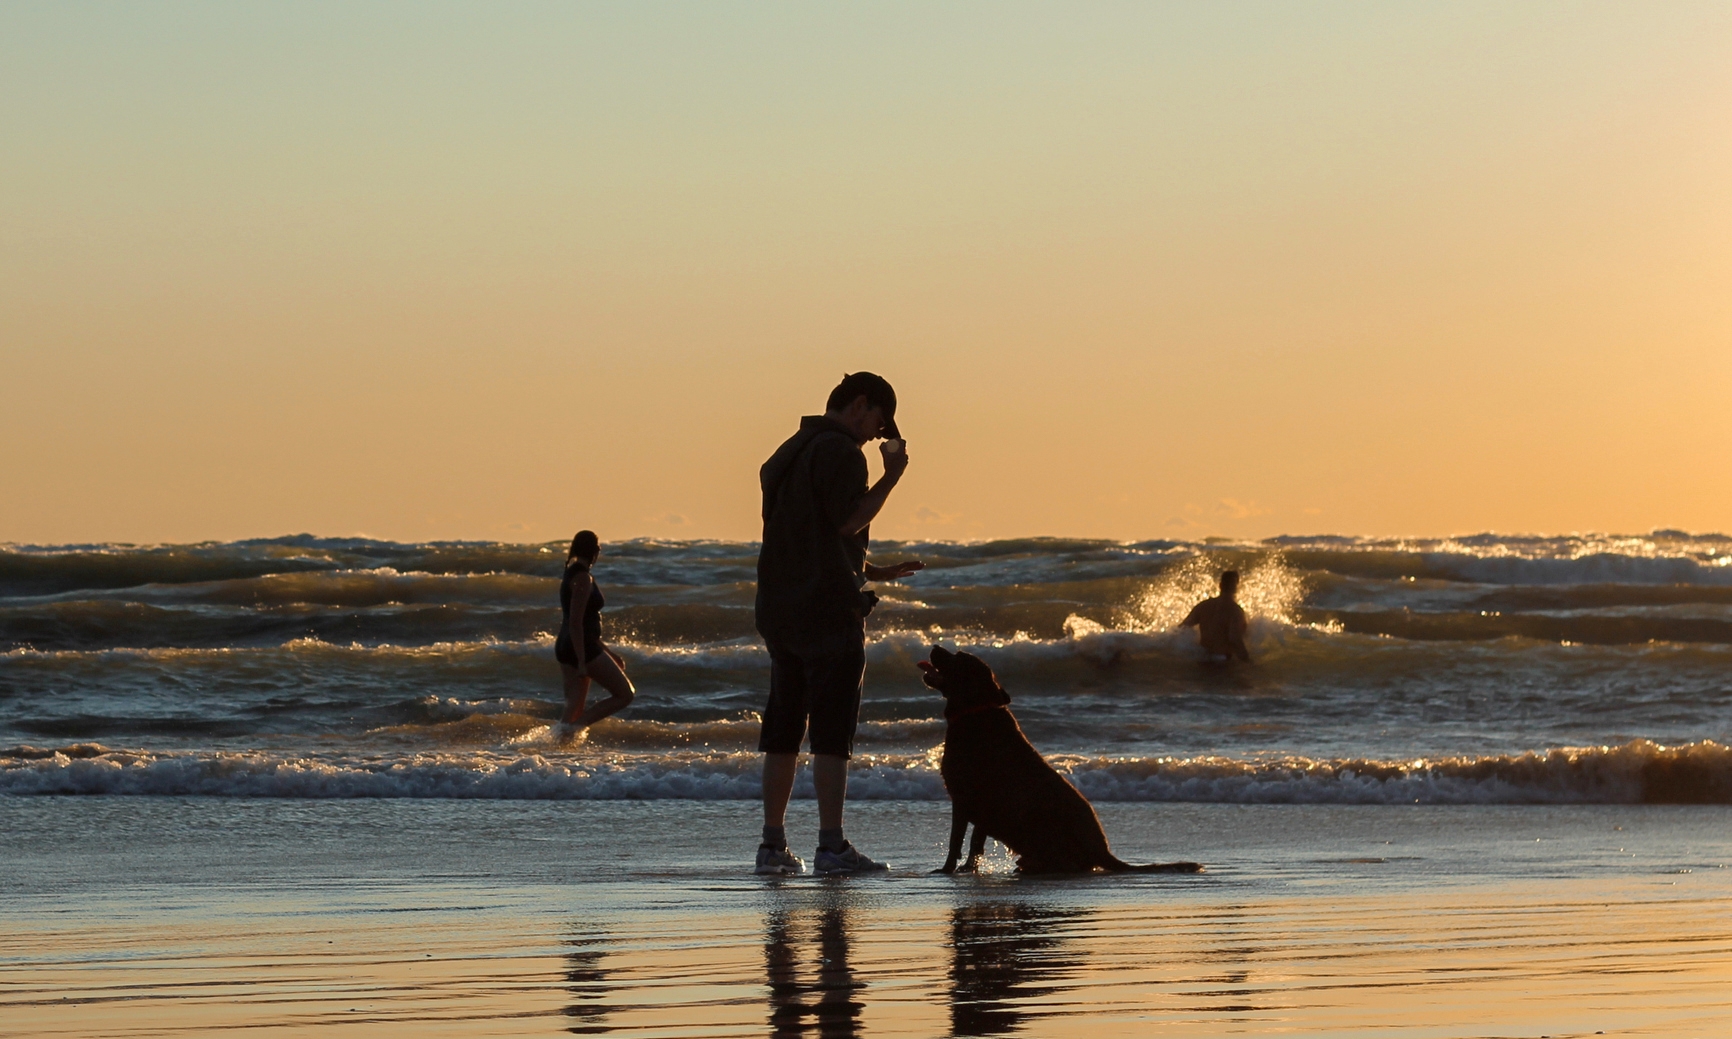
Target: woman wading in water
582	656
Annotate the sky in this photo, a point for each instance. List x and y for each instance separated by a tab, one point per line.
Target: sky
1144	270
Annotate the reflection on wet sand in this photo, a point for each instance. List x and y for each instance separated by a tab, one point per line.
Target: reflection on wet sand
822	997
587	983
1003	954
1236	943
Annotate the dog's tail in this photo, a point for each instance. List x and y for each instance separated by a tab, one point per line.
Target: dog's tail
1118	866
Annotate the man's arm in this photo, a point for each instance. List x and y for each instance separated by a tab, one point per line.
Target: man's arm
895	571
873	500
1236	634
1195	617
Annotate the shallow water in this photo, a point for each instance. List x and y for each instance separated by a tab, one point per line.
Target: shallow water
171	916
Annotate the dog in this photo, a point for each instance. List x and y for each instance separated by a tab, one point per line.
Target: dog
1000	783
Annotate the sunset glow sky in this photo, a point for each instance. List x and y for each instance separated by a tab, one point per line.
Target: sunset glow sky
1137	270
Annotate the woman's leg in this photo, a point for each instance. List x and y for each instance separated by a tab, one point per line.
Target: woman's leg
576	692
607	674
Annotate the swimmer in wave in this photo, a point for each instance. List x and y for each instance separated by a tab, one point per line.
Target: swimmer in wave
1220	624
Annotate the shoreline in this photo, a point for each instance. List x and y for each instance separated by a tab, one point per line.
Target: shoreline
155	916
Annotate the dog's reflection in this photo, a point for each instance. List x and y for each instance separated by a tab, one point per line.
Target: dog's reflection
811	997
1003	954
587	983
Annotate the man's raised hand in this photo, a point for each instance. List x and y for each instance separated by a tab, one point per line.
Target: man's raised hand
894	571
895	454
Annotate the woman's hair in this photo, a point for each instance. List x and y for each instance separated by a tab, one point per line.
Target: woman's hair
584	546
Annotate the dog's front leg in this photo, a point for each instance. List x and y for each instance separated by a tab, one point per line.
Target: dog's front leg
958	824
976	846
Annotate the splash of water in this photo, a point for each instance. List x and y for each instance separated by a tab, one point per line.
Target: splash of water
1269	590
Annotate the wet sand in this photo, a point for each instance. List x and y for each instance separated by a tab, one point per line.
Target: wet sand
165	916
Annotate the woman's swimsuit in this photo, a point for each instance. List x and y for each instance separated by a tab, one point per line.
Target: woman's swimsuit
563	648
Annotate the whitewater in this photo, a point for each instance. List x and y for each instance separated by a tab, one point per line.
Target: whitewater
1493	669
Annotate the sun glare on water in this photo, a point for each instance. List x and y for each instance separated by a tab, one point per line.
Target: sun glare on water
1268	590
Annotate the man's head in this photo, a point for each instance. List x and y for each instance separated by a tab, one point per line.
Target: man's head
1230	583
866	404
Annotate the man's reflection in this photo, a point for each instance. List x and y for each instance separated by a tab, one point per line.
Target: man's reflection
823	1000
587	983
1004	953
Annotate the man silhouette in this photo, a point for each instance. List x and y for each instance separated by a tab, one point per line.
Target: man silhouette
1220	623
812	604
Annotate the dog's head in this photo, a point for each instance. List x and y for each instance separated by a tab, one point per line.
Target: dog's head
964	679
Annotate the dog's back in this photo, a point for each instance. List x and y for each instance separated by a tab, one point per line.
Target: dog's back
1002	784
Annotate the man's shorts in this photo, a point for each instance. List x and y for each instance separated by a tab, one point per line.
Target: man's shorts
823	685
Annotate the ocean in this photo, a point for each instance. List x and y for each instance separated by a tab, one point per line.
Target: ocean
1492	669
1477	786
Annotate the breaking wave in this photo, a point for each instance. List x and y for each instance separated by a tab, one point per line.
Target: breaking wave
286	651
1639	772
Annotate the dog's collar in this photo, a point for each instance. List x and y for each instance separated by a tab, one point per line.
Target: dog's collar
976	709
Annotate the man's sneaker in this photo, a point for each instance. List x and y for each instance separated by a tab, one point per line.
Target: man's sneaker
777	862
848	860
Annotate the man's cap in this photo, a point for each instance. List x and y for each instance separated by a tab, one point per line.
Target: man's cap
876	389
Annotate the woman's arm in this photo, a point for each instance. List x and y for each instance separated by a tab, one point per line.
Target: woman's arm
579	601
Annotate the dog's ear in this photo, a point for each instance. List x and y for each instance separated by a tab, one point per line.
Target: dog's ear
975	668
994	689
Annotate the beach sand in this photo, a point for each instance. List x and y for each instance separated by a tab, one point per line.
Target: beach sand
137	916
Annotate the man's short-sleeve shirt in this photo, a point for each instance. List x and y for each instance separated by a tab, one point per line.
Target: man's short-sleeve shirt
809	572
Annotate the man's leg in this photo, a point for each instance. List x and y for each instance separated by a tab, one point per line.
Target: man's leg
836	682
779	770
780	740
830	776
774	858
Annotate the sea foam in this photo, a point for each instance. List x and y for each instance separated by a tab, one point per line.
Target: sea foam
1635	773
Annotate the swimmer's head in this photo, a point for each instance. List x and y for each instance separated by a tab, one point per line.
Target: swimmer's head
1230	582
585	546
